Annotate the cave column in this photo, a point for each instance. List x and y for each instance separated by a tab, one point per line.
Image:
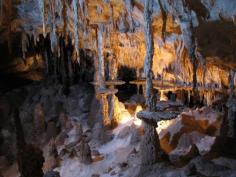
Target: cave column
100	56
102	86
231	104
151	150
150	144
113	65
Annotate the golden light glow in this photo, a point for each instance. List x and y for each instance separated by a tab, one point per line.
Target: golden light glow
163	125
137	121
162	96
126	118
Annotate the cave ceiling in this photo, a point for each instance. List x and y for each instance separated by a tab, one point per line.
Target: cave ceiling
213	23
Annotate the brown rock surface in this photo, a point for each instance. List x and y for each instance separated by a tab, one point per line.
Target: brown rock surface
190	134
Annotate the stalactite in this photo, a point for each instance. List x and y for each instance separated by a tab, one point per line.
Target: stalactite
24	44
35	37
83	7
64	15
129	7
42	10
112	16
53	35
181	12
178	64
76	31
164	20
59	8
100	56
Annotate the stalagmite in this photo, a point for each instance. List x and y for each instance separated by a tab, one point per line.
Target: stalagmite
231	104
76	28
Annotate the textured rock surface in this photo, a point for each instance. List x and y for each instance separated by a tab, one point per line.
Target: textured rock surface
190	134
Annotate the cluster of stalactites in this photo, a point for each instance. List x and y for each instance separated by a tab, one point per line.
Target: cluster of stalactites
55	14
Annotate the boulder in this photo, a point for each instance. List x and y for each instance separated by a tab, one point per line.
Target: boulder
189	146
192	133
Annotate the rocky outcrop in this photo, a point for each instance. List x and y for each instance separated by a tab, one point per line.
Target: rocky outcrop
192	133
